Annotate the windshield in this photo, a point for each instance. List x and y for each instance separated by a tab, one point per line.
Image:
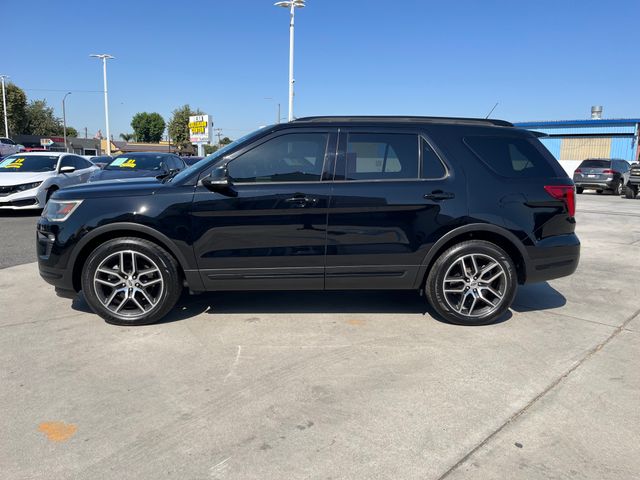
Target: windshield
186	173
29	163
137	162
596	164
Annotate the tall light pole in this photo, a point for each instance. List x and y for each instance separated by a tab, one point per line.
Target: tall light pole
64	121
291	5
105	57
4	107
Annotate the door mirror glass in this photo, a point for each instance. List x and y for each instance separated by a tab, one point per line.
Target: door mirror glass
218	181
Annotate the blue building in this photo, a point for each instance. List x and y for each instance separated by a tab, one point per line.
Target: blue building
576	140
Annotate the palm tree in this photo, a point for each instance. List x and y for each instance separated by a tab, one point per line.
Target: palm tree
127	137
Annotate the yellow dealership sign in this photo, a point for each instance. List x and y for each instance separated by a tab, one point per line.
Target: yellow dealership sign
200	129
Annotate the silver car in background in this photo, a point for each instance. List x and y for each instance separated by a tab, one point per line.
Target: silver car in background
27	180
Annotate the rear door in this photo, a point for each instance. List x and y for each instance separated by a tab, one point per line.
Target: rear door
392	198
271	233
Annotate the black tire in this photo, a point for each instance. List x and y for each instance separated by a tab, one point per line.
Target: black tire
599	192
449	261
630	192
579	189
165	279
620	188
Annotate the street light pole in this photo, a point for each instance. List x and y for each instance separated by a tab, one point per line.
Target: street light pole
105	57
291	5
64	121
278	117
4	107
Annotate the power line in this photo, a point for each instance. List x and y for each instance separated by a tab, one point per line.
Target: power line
51	90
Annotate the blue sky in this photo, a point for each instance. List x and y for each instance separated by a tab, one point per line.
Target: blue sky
541	60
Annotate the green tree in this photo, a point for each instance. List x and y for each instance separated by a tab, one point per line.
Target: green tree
209	149
178	126
148	127
225	141
71	132
16	110
127	137
41	120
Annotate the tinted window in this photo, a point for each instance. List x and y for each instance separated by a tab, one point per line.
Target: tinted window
68	161
379	156
132	161
294	157
512	156
432	166
596	164
621	165
28	163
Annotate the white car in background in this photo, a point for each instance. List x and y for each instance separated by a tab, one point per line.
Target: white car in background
27	180
8	147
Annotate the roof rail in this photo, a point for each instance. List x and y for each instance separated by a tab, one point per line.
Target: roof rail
403	119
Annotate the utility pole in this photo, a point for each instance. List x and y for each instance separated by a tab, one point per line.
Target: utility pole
219	135
4	107
64	122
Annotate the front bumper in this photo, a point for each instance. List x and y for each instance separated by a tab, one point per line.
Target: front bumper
25	200
553	257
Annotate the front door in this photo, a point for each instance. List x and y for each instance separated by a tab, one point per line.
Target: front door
392	199
272	233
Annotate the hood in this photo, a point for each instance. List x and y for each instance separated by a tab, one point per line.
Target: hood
129	187
18	178
116	174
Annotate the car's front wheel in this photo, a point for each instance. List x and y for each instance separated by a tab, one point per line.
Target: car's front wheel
131	281
472	283
579	189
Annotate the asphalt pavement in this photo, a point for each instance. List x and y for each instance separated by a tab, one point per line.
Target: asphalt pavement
336	385
17	237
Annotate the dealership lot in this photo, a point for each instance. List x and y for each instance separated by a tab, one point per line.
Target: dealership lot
329	385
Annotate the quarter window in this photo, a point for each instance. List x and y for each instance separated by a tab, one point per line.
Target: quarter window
294	157
379	156
432	166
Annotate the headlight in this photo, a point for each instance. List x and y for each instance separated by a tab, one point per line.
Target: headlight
60	210
27	186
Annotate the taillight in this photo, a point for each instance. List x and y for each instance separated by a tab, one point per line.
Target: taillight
609	171
566	193
578	171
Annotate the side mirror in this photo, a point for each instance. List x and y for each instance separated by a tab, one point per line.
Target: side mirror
218	181
67	169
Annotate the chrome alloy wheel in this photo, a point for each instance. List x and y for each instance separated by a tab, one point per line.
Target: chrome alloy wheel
128	284
475	285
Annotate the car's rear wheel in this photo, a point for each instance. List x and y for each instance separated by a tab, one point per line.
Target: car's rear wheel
472	283
630	192
131	281
599	192
579	189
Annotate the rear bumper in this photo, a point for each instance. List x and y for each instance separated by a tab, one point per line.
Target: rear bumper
596	184
553	257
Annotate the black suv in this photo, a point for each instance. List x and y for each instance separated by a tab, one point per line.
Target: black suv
633	185
463	210
602	174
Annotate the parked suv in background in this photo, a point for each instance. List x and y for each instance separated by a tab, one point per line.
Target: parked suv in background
462	210
633	185
8	147
602	174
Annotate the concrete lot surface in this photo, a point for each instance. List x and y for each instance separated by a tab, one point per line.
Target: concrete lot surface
333	385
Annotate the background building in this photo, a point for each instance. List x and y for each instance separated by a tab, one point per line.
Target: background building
572	141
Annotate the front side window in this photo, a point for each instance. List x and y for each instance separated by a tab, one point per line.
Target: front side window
379	156
294	157
512	157
29	163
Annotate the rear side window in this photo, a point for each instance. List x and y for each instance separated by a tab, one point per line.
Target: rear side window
432	166
379	156
596	164
512	157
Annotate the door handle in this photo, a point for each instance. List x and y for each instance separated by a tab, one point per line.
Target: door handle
438	195
301	200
